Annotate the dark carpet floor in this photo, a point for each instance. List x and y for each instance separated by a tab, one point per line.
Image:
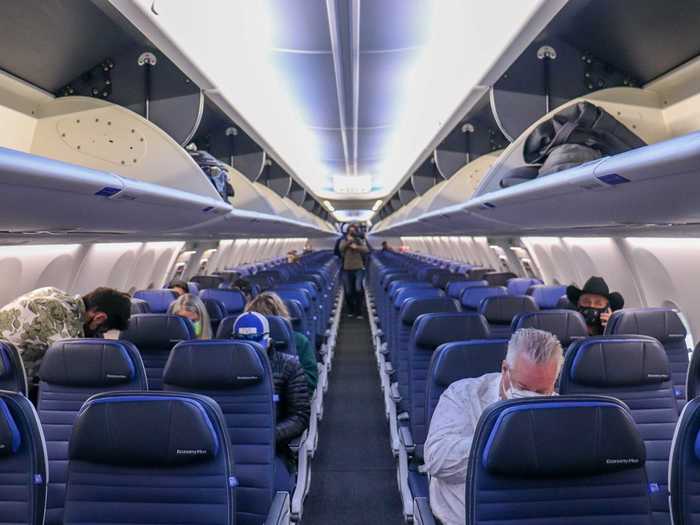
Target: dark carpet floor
353	475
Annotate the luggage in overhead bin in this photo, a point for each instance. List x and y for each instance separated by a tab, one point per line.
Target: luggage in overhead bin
577	134
215	170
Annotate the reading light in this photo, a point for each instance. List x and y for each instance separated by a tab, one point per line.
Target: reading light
328	205
377	205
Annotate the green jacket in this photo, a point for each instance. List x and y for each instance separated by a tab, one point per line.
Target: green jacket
37	319
307	358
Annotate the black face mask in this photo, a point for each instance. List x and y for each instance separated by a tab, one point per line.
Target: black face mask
592	315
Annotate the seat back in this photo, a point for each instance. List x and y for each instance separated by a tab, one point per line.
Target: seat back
296	313
472	297
498	278
216	311
158	300
685	467
233	300
566	460
428	333
455	288
567	325
145	457
634	369
547	297
72	371
193	287
23	464
12	375
155	335
664	325
520	285
459	360
410	310
499	312
237	375
139	306
207	281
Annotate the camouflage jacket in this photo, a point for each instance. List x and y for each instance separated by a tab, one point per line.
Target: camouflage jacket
35	320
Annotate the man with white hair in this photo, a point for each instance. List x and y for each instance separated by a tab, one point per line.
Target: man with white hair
531	368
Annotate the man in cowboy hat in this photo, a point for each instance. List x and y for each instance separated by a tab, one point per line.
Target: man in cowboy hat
595	302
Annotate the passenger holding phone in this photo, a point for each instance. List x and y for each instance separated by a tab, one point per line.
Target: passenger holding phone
595	302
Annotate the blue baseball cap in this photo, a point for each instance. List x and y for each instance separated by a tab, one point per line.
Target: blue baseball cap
252	326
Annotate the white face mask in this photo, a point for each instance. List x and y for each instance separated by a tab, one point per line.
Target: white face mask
518	393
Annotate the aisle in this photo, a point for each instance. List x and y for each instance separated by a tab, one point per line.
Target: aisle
353	476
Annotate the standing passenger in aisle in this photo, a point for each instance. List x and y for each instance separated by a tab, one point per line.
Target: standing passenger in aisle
37	319
530	369
353	248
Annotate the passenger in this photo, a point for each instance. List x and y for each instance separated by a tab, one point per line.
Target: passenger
531	367
352	249
244	286
179	287
292	257
39	318
269	303
386	247
595	302
292	403
191	307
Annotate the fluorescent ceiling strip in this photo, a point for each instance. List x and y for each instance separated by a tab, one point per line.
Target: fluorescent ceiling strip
338	70
355	79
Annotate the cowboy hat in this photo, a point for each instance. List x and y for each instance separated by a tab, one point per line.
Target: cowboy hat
596	286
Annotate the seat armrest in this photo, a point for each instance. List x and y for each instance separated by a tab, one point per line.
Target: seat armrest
395	395
296	443
407	438
422	514
279	513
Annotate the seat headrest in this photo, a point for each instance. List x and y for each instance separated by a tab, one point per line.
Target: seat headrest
472	297
157	331
502	309
409	293
561	437
455	288
299	295
233	300
10	436
414	307
214	365
396	286
663	324
566	325
158	300
617	361
215	308
139	306
520	285
281	333
89	362
6	366
431	330
498	278
464	359
144	430
547	297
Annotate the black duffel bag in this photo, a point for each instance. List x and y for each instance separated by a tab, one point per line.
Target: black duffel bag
215	170
578	134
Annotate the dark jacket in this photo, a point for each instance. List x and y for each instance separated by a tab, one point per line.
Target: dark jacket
293	406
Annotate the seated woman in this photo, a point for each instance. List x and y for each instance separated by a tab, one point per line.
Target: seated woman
191	307
269	303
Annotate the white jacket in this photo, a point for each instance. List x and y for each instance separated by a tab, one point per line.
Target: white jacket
449	441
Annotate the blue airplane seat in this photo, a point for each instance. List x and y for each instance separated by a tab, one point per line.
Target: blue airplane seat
158	300
155	335
139	306
520	285
472	297
237	375
499	312
634	369
455	288
71	371
281	332
233	300
567	325
684	471
23	464
583	463
150	457
664	325
548	297
216	311
12	375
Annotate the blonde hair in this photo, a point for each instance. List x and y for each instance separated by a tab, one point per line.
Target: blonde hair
268	303
191	303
